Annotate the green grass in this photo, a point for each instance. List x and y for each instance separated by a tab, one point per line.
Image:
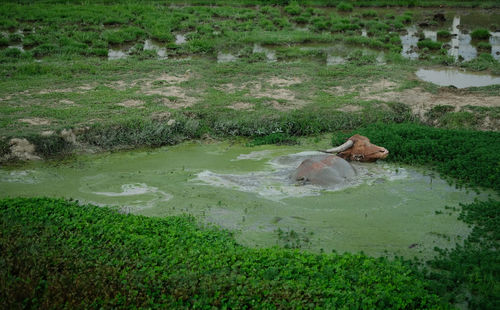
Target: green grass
57	253
467	157
480	34
443	34
467	274
429	44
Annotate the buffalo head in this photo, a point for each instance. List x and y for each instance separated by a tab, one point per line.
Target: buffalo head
359	148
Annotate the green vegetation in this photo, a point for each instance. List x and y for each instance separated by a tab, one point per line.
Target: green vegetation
474	266
484	46
468	157
57	253
429	44
61	93
480	34
344	7
469	272
443	34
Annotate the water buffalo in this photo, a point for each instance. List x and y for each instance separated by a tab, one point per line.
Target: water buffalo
359	148
334	170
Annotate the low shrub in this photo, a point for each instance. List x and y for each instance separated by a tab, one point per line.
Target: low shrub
443	34
293	8
480	34
344	7
469	157
431	45
369	13
57	253
484	46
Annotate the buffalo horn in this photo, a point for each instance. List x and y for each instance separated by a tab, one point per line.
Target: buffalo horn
340	148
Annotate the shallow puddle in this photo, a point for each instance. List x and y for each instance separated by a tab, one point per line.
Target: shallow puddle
460	45
150	45
457	78
270	54
180	39
223	57
249	191
116	54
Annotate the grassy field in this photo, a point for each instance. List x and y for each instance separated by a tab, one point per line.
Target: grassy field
62	254
60	94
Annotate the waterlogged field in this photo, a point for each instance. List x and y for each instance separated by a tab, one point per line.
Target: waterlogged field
389	209
79	80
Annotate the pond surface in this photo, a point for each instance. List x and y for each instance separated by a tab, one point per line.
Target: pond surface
457	78
249	191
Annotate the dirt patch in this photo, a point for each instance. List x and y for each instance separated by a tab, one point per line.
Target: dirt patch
379	86
173	79
79	89
36	121
67	102
283	106
22	149
161	116
278	94
131	103
232	88
350	108
421	101
375	87
280	82
165	86
241	106
122	85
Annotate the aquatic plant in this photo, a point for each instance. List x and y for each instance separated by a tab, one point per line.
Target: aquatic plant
60	253
480	34
468	157
344	7
485	46
293	8
443	34
277	138
428	43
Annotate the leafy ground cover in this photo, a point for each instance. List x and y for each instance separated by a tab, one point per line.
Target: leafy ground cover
57	253
468	157
61	93
467	274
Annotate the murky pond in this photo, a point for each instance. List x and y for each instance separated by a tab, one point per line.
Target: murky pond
458	78
249	191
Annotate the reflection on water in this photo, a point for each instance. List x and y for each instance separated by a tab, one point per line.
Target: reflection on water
409	42
17	46
495	45
223	57
149	45
457	78
180	39
116	54
270	54
461	47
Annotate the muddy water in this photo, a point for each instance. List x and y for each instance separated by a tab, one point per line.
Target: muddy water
457	78
248	190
